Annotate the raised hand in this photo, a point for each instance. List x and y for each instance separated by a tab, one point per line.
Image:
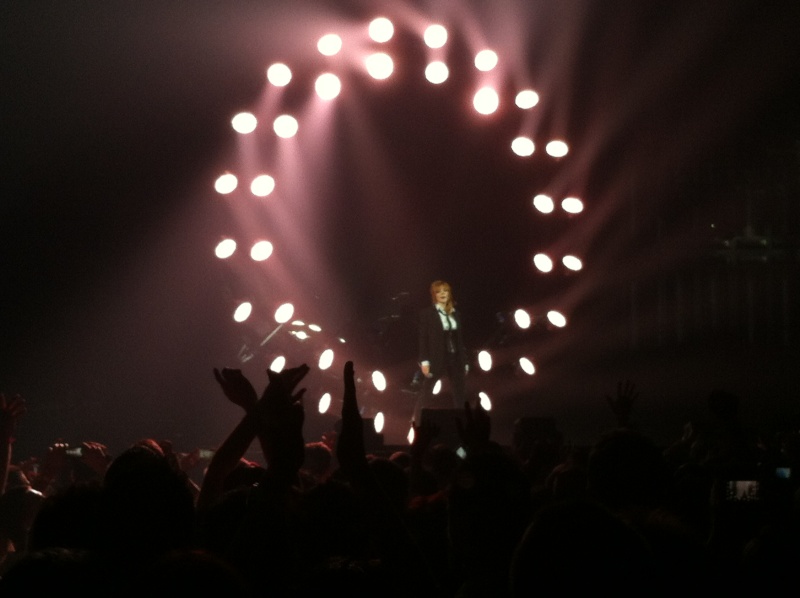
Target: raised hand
236	387
280	413
350	444
622	404
96	457
10	412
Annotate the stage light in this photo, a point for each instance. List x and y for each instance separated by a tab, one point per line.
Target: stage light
381	30
410	435
486	100
543	262
243	311
225	248
572	263
328	86
379	381
262	185
300	334
314	327
285	126
244	123
261	250
279	74
379	65
435	36
522	146
557	149
527	366
437	388
522	319
278	364
544	203
437	72
284	313
526	99
326	359
324	403
329	44
226	183
379	422
486	60
298	323
573	205
485	360
556	318
486	402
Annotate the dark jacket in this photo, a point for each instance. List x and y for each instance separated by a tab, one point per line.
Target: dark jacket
433	340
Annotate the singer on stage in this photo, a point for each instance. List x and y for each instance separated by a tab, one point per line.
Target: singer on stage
441	348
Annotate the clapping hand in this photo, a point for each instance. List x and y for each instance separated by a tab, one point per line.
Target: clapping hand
281	415
236	387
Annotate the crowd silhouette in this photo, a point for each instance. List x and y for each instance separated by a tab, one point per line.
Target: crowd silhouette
713	513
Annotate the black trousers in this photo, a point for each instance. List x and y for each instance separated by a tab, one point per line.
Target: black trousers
457	380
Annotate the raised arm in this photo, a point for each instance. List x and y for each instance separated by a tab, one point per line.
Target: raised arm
10	411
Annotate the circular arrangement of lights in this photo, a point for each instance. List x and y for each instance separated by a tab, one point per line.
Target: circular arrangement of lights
379	64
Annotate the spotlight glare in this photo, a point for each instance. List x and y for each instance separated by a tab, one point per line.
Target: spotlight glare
285	126
261	250
225	248
326	359
279	74
572	263
437	72
379	65
278	364
486	60
324	403
329	44
328	86
522	319
410	435
437	388
379	422
557	149
243	311
557	319
244	123
527	366
435	36
544	203
314	327
486	100
486	402
522	146
381	30
284	313
379	381
485	360
543	262
262	185
526	99
226	183
573	205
